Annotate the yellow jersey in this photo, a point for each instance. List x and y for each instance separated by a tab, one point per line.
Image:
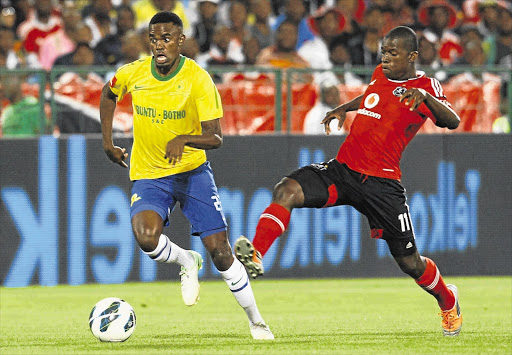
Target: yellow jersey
163	108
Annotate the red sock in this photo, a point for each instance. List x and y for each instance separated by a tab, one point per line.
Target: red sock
432	282
273	222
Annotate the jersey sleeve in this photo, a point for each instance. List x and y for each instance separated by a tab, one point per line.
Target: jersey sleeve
433	87
118	83
206	97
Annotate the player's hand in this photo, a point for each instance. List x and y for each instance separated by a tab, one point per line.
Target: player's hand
174	150
413	97
339	114
117	155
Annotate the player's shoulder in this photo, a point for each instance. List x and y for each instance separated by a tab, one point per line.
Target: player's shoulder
428	83
192	66
194	71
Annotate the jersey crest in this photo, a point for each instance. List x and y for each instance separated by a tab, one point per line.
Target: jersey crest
399	90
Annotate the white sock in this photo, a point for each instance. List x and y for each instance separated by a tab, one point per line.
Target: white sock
238	282
168	252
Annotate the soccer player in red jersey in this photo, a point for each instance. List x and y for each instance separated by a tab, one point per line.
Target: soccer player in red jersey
366	171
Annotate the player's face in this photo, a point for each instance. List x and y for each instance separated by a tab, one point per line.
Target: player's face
165	40
397	62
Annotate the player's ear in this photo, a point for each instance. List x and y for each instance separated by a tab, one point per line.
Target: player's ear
413	56
182	39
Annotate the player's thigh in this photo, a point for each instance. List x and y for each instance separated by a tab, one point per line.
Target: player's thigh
388	215
324	184
317	185
152	195
200	203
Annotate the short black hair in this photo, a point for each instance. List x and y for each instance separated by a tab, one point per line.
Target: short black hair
407	35
166	17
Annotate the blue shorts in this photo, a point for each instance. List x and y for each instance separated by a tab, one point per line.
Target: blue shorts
196	192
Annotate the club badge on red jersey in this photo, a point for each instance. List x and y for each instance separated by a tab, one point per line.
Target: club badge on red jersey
399	90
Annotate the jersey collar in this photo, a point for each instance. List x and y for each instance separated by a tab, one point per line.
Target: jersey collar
419	74
168	76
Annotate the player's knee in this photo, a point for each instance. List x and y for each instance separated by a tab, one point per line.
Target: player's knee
411	266
287	192
222	258
147	237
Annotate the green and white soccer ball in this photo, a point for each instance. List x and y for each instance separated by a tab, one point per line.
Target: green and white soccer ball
112	320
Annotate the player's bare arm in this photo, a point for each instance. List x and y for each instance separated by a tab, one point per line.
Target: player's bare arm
340	113
108	103
210	138
444	115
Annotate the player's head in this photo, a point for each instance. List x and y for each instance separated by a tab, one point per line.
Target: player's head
399	52
166	38
166	17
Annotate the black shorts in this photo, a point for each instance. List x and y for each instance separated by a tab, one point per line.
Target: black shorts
381	200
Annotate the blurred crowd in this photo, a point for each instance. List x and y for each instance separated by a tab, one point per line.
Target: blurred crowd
320	34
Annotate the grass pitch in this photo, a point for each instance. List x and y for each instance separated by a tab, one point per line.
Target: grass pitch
328	316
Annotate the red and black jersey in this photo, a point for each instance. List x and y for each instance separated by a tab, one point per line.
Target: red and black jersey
383	125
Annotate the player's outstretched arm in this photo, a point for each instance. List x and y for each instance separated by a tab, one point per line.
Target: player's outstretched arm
107	108
445	116
340	113
210	138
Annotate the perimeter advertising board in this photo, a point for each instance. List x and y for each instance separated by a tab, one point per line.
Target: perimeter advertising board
64	211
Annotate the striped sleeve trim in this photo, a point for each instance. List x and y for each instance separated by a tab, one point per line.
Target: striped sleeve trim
436	86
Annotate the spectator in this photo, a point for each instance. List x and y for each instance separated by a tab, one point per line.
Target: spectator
397	13
110	47
205	26
473	55
428	58
99	20
131	48
261	29
22	117
326	23
500	45
145	9
9	58
488	14
439	17
340	57
365	47
238	21
283	54
83	55
353	10
469	32
251	50
225	50
328	99
60	42
41	21
295	11
482	89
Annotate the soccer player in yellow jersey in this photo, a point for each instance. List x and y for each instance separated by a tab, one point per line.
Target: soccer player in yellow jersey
176	113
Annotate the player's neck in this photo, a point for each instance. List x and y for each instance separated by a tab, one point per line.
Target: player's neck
165	70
